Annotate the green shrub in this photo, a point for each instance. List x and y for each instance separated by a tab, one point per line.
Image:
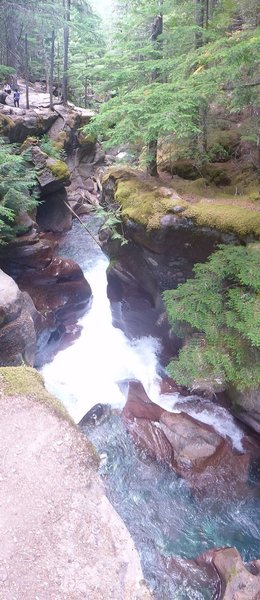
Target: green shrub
218	315
50	148
17	189
5	72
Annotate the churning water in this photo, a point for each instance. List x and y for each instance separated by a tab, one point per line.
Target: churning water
87	372
164	519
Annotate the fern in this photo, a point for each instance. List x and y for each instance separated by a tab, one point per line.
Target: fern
17	189
218	315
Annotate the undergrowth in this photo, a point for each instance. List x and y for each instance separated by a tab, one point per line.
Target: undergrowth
218	315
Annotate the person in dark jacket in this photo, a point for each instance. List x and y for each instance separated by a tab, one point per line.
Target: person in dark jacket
16	98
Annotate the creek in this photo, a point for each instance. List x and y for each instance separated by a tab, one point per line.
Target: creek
163	517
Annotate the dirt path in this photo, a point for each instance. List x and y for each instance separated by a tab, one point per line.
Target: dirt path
60	537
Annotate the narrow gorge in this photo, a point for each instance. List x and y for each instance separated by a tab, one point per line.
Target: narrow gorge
129	302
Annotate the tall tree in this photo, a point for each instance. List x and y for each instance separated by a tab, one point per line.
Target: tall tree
52	68
157	30
66	33
189	74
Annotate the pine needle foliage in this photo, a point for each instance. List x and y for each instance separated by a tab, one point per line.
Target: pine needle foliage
224	68
218	315
17	189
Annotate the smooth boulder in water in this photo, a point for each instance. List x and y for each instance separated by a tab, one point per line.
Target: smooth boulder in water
192	448
97	414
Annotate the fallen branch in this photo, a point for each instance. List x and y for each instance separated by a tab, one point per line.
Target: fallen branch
83	224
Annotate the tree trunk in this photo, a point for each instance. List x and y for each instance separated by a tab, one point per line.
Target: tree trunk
27	72
58	70
152	158
157	30
203	135
199	20
52	68
206	14
67	5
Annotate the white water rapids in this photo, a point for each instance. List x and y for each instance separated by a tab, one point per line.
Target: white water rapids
87	372
163	518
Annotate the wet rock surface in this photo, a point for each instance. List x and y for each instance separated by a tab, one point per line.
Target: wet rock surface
18	318
56	286
192	448
62	295
239	581
136	303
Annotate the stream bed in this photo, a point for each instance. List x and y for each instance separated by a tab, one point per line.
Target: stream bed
164	519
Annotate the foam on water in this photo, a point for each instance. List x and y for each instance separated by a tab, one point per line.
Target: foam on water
87	372
222	422
208	412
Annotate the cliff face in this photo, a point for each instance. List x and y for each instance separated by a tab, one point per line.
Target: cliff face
60	537
167	235
56	286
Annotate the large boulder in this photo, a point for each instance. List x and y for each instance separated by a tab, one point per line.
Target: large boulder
219	571
60	536
17	324
193	449
29	251
57	287
61	295
35	122
238	581
59	291
52	174
247	406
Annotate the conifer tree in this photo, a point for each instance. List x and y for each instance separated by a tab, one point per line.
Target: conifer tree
209	54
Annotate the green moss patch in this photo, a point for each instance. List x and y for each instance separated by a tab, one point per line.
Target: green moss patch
146	204
25	381
59	169
5	123
226	217
140	200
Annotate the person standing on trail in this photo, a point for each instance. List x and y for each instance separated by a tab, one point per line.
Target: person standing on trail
16	98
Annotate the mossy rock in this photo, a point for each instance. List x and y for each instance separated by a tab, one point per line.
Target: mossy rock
59	169
224	145
86	140
61	140
6	123
28	143
143	204
146	204
240	220
26	381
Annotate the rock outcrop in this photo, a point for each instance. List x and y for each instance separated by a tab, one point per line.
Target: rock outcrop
239	582
18	320
18	124
53	176
222	570
60	536
193	449
247	406
166	236
56	286
164	243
